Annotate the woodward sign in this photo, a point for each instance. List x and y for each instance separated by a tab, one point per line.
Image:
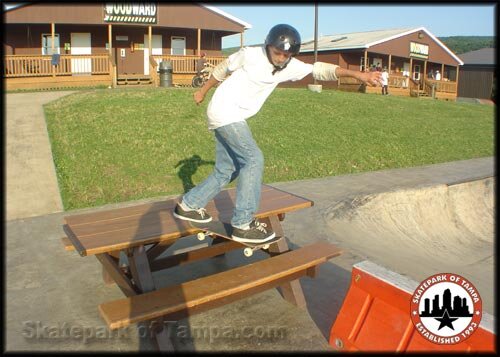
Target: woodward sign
419	50
130	13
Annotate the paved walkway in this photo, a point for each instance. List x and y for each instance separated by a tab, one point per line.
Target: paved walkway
31	182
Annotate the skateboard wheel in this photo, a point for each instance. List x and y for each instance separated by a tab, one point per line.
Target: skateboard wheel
248	252
201	236
265	246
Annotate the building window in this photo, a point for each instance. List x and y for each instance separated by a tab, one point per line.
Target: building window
47	44
178	46
362	64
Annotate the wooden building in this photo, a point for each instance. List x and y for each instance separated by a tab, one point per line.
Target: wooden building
477	76
58	45
412	51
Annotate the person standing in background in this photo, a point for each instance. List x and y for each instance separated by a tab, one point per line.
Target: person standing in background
385	81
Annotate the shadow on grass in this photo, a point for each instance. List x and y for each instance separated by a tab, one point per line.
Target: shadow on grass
188	168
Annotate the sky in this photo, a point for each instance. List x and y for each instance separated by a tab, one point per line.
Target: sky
442	21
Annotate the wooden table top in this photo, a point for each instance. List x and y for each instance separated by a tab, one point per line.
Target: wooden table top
121	228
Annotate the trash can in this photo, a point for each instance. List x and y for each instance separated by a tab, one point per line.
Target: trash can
165	74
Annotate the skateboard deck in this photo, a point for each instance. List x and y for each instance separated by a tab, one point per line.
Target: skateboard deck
224	230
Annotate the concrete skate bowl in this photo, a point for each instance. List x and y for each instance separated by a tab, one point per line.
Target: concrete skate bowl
424	231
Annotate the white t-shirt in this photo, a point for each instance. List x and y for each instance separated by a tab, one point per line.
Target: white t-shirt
385	78
243	93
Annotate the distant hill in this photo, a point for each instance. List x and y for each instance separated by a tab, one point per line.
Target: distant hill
463	44
230	50
458	44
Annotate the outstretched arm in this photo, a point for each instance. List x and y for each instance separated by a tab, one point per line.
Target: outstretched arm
370	78
331	72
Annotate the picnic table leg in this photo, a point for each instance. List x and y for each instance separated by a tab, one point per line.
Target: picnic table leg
107	277
218	240
112	270
291	291
143	278
157	249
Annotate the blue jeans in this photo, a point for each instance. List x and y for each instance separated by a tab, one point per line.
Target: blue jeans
236	154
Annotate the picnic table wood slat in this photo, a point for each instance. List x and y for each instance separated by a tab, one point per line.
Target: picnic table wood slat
127	219
268	207
161	226
161	230
138	210
218	289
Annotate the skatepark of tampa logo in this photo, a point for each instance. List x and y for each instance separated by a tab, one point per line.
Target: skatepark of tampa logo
446	309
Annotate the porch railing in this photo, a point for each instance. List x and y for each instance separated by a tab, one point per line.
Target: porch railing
397	81
41	65
443	86
153	70
431	87
187	64
414	88
349	80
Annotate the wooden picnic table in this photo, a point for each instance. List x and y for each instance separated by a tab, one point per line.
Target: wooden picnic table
144	232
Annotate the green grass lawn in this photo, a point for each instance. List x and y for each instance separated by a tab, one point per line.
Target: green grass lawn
126	144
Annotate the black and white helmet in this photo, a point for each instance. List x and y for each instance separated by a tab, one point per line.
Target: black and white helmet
284	37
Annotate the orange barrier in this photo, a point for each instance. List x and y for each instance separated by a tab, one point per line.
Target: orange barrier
375	317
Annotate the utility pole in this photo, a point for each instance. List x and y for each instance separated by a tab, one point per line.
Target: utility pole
315	87
315	34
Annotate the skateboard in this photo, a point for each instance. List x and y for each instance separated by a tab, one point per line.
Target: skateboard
224	230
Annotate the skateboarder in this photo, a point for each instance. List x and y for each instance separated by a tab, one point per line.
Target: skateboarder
255	72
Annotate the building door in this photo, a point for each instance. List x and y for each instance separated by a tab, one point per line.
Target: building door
156	48
416	72
129	55
81	45
121	47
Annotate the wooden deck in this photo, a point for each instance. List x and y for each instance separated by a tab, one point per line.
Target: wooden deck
23	72
58	82
134	79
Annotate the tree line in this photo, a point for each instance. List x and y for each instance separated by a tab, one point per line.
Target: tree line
464	44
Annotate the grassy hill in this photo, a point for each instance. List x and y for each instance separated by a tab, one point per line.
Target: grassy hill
230	50
463	44
127	144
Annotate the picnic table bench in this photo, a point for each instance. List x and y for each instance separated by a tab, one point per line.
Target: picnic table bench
144	232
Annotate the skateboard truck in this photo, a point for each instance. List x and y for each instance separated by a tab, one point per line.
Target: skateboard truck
248	251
